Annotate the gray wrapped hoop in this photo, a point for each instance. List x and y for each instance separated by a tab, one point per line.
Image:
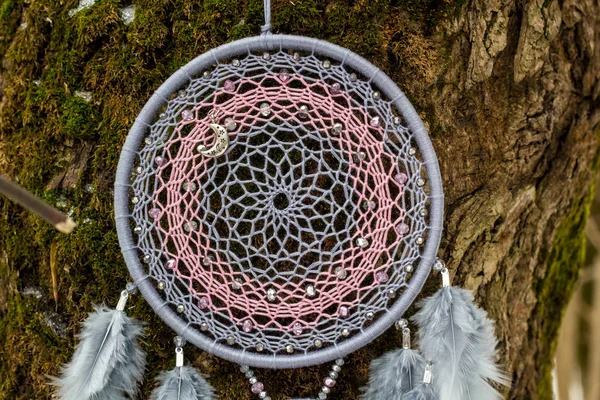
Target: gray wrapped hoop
148	223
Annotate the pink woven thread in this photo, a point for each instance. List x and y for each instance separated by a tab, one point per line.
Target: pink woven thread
184	164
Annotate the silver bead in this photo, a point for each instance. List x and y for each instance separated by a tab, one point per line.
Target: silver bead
339	362
353	77
135	200
409	268
439	265
337	128
137	230
161	285
262	395
138	170
230	340
391	294
310	291
333	375
235	62
266	55
180	308
336	368
297	56
162	115
260	347
370	316
189	186
268	398
412	151
376	95
249	374
271	294
419	240
401	324
146	258
206	74
345	332
265	110
244	369
236	284
230	124
178	341
289	348
397	120
362	242
326	64
322	396
340	272
318	343
204	327
181	94
148	140
206	261
423	212
253	380
325	390
303	112
421	182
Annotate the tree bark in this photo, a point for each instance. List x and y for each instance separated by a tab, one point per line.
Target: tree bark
508	88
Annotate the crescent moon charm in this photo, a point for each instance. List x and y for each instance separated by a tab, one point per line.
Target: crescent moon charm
221	142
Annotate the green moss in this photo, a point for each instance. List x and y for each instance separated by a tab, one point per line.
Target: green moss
565	260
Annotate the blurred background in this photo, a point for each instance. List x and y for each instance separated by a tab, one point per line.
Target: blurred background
577	371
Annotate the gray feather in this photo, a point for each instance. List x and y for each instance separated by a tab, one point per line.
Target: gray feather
458	338
182	383
394	374
425	391
108	362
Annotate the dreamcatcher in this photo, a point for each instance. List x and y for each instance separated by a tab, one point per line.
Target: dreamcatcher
279	204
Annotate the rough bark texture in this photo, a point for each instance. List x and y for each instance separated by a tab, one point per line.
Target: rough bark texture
509	89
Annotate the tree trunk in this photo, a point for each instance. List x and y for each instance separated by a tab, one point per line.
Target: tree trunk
509	90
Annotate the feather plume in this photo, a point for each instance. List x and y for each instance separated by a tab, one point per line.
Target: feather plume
108	362
182	383
424	391
458	338
394	374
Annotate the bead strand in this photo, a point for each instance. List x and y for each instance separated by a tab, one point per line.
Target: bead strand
329	382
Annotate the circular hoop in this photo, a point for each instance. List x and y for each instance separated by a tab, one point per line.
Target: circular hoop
182	77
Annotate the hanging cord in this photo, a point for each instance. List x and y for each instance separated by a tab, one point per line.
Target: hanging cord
266	28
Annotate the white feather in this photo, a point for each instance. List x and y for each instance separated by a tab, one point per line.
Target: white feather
458	338
108	363
394	374
425	391
182	383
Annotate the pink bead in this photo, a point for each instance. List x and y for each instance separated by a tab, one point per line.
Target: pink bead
329	382
402	228
284	75
258	387
381	277
154	213
375	122
170	264
247	326
343	311
402	178
297	329
203	303
159	161
187	115
229	85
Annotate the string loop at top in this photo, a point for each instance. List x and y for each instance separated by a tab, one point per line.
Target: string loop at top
266	28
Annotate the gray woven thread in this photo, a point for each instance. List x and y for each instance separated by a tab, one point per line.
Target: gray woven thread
147	118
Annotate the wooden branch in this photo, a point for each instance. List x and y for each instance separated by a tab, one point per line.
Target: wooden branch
34	204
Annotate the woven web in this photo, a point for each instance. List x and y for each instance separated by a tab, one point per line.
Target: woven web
305	230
